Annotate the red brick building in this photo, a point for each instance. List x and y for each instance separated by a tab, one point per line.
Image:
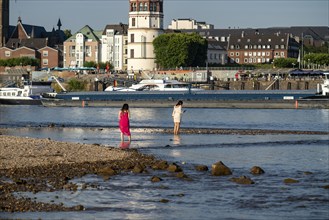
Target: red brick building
35	42
259	48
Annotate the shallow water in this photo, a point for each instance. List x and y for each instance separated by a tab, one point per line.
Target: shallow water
132	196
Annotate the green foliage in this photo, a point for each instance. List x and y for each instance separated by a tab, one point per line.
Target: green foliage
67	33
21	61
180	49
102	65
285	62
76	85
90	64
317	58
322	49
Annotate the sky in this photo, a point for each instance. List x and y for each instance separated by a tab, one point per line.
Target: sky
75	14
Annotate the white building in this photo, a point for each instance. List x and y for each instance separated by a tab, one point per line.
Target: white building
182	23
114	46
145	24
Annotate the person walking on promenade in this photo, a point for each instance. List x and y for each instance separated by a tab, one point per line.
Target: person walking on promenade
124	124
177	116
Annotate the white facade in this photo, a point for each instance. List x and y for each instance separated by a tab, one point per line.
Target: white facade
181	24
145	24
114	48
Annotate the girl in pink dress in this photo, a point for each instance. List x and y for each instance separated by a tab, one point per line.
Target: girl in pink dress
124	122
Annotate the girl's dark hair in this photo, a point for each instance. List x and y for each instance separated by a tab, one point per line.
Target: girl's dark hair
180	102
125	107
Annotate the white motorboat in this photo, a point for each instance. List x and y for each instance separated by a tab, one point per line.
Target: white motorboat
156	85
18	96
325	85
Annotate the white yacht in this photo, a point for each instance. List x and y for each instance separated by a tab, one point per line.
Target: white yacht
18	96
156	85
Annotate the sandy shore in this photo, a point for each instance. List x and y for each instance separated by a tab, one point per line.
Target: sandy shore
21	152
33	165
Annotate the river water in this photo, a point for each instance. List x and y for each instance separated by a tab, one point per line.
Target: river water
130	196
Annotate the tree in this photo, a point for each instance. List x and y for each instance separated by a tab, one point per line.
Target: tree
67	33
76	85
317	58
285	62
180	49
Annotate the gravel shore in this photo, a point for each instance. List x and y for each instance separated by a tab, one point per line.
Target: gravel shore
33	165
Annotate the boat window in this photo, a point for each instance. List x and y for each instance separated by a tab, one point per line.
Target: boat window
8	93
13	94
19	93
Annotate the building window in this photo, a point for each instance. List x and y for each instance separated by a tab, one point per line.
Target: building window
245	46
132	38
232	54
145	7
282	46
132	54
237	60
133	22
126	51
268	46
245	54
232	46
237	54
258	54
269	40
7	53
282	54
134	7
267	54
245	60
250	60
276	46
88	51
141	8
45	53
45	61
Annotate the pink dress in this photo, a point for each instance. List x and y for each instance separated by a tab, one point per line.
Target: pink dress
124	123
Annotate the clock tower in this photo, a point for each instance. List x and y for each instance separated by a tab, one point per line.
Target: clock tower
4	21
145	24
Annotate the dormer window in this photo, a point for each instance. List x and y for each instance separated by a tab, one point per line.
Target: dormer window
269	40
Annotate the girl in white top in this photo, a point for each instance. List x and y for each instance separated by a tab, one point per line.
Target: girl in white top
177	115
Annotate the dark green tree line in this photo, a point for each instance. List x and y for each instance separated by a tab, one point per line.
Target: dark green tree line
180	49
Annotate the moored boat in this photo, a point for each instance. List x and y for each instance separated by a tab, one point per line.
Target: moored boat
18	96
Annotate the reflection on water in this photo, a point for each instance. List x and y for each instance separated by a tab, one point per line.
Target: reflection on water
124	145
131	196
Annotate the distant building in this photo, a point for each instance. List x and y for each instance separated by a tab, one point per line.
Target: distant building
115	46
145	24
257	48
82	46
34	41
217	52
182	23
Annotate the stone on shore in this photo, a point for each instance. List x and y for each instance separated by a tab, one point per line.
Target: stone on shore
201	168
256	170
220	169
242	180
